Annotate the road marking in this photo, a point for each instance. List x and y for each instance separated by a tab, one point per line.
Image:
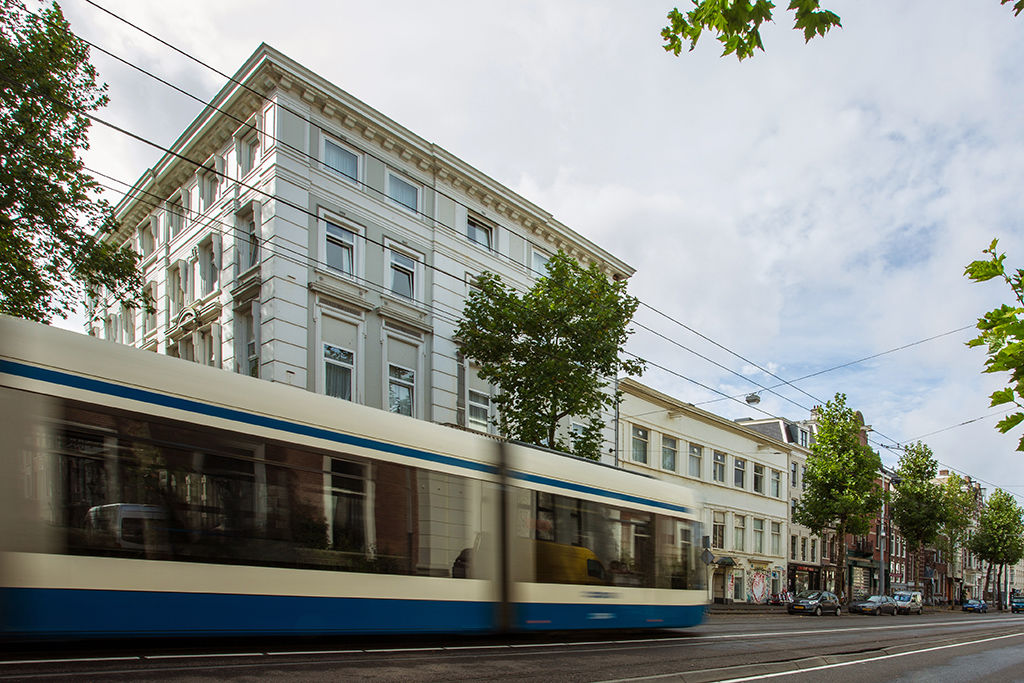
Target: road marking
795	672
76	659
315	652
203	656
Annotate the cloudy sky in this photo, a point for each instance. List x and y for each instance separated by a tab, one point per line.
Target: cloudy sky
812	206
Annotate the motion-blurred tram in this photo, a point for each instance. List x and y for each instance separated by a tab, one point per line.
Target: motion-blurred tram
143	495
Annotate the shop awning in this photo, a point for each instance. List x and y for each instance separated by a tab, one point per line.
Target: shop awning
725	561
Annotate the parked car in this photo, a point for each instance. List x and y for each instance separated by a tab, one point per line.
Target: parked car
814	602
876	604
975	606
1017	603
908	601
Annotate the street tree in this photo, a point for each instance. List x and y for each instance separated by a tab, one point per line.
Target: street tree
552	352
959	505
917	507
51	223
736	24
1001	331
999	539
843	494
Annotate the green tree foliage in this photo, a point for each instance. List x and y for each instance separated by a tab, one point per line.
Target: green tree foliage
551	350
50	222
958	507
843	493
999	539
917	506
736	24
1001	331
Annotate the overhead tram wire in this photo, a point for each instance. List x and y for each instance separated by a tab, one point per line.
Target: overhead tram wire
263	97
299	258
855	362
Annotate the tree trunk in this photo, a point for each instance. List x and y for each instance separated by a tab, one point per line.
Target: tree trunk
999	586
841	563
988	576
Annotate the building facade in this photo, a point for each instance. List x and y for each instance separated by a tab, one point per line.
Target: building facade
738	473
298	235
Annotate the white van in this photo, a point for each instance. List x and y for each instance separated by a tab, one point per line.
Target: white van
908	601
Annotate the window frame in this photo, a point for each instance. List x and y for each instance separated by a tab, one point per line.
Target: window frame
695	453
326	139
666	450
634	439
392	379
480	225
392	174
739	473
718	463
417	270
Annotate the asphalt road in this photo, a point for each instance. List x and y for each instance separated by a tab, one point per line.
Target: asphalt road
938	645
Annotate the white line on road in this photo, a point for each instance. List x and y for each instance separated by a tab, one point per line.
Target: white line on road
794	672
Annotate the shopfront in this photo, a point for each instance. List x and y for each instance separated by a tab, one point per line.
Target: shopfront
802	577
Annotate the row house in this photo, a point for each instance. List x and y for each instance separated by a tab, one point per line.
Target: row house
738	473
296	234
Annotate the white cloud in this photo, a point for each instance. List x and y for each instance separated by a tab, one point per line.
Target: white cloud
811	206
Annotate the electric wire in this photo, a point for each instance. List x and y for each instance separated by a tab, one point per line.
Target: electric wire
783	381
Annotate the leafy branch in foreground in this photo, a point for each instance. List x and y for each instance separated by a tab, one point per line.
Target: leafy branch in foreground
1001	331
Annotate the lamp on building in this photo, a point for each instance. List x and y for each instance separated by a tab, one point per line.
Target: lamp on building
753	399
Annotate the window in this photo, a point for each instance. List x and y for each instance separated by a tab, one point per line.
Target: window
792	475
814	550
758	536
176	289
669	447
149	317
128	323
576	430
478	232
248	346
248	154
208	267
803	438
640	439
342	160
718	530
776	490
401	385
759	478
739	535
338	367
803	477
403	192
696	458
206	347
147	241
739	589
403	275
776	538
718	469
803	549
479	414
340	248
539	263
740	473
175	218
209	186
792	547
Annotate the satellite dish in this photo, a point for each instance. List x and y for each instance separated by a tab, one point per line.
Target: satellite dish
753	399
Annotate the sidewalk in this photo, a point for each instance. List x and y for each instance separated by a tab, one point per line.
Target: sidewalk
745	608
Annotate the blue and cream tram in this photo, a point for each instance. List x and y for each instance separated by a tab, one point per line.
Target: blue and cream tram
143	495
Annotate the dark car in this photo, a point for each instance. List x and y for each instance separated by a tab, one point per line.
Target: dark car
814	602
975	606
1017	603
876	604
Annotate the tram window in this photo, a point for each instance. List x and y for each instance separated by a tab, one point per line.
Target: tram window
137	486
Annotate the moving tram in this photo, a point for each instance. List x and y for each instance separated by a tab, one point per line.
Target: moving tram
143	495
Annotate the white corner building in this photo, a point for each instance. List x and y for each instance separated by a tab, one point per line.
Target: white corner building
299	235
